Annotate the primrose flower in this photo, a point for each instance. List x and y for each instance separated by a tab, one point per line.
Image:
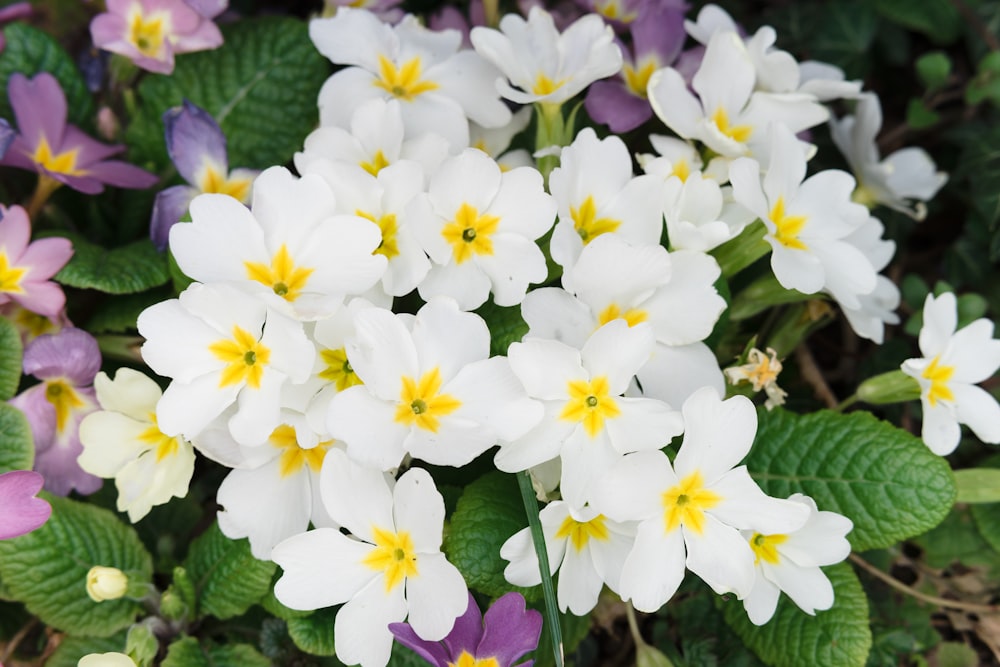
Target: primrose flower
26	268
546	66
66	363
498	639
391	567
953	363
790	563
430	389
106	583
479	224
877	308
122	440
197	148
387	10
495	140
691	512
7	135
439	87
586	548
31	325
61	153
20	511
761	371
151	32
903	181
222	347
106	660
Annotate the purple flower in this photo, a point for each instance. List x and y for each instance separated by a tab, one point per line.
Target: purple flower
60	152
26	268
197	147
20	511
66	363
387	10
657	38
6	135
506	633
151	32
450	17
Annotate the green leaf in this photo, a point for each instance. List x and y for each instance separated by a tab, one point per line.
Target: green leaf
17	449
314	633
187	652
261	86
47	569
119	314
71	649
937	19
987	520
919	116
956	654
488	513
844	35
135	267
227	578
958	539
11	353
573	630
838	637
506	325
30	51
882	478
978	485
933	69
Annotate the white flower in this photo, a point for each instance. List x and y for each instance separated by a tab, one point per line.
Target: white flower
790	562
807	221
761	371
953	363
439	88
106	583
700	214
586	548
691	512
123	441
546	66
222	347
430	389
877	308
106	660
291	247
587	422
902	181
495	141
391	567
479	226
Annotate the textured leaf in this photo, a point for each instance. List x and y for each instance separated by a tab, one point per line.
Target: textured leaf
959	539
17	449
227	578
937	19
187	652
30	51
135	267
119	314
47	569
837	637
978	485
71	649
261	86
882	478
314	633
11	352
488	513
506	326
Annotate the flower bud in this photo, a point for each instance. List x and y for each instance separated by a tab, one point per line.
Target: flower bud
647	656
106	660
106	583
891	387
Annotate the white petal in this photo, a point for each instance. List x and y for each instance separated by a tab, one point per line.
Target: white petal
356	497
808	587
321	568
655	567
632	488
545	367
978	410
617	351
718	434
361	628
721	557
436	596
745	506
264	506
368	425
418	508
940	430
579	582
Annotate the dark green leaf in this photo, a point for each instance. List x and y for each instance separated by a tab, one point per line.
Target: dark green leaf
933	69
187	652
227	578
11	352
17	449
937	19
71	649
919	116
133	268
314	633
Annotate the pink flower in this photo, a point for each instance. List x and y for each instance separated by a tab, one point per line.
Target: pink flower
26	268
150	32
20	511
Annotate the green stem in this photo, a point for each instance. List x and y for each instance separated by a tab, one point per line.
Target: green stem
548	590
846	403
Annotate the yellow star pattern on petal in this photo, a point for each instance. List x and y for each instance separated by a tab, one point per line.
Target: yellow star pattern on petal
10	276
393	555
587	224
282	276
245	358
613	312
338	369
466	659
765	547
420	403
147	33
469	233
61	163
581	532
739	133
685	504
788	226
389	247
293	456
161	444
637	77
211	179
939	376
590	403
63	397
403	82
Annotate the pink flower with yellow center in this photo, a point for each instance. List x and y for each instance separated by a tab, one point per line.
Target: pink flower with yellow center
26	268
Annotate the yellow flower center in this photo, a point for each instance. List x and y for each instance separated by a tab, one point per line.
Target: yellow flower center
685	504
282	276
159	442
338	369
389	247
546	86
613	312
788	226
213	180
10	276
244	356
377	164
148	33
466	659
393	555
293	457
614	11
590	403
939	376
63	397
404	82
421	404
61	163
469	233
587	224
681	170
738	133
581	532
765	547
637	78
33	323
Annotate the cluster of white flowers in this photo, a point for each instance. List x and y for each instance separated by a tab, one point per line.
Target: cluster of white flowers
288	365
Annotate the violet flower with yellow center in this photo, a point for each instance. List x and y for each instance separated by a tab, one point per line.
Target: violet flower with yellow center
20	511
26	268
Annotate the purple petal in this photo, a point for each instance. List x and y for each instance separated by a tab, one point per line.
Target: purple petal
41	416
7	135
39	106
511	630
89	150
611	103
659	29
16	11
72	353
45	257
44	298
20	511
58	464
207	36
168	208
193	136
467	631
208	8
15	231
121	174
432	652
